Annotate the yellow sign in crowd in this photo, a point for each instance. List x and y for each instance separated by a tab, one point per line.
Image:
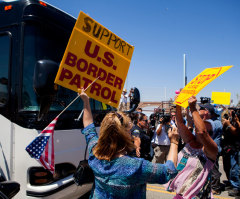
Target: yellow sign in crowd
221	98
198	83
94	51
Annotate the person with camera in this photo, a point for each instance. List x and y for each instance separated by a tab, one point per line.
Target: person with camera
231	127
196	159
118	175
160	141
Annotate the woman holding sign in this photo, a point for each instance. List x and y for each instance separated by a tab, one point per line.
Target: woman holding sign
196	159
118	175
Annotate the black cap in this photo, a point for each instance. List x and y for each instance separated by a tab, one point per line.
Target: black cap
210	108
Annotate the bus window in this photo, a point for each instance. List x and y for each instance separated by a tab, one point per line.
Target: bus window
104	106
4	65
44	42
98	105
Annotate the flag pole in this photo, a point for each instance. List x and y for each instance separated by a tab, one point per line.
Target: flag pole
77	98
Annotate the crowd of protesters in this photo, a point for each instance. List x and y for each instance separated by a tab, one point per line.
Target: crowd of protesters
145	149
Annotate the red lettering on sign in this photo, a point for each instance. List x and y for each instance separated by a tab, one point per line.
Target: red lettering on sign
76	80
193	82
210	76
202	78
92	69
71	59
102	74
86	82
110	79
113	97
65	74
108	61
95	87
84	65
87	48
118	82
106	93
205	78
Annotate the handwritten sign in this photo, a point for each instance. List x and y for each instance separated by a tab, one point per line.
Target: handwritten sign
94	51
221	98
198	83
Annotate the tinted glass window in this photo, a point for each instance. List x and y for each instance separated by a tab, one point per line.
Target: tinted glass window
4	65
44	42
101	106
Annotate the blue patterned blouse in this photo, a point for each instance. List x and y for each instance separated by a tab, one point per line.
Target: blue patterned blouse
124	177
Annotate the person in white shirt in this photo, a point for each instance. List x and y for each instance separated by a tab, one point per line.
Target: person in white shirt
123	101
160	141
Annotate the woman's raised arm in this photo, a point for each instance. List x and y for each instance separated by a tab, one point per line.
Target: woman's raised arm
87	115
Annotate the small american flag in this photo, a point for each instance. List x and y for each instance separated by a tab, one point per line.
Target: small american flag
42	147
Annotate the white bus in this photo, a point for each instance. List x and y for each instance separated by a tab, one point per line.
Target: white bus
33	37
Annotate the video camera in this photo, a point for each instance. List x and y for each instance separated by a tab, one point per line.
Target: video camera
166	118
205	100
160	114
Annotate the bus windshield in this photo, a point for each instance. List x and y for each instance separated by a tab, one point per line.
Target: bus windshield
44	42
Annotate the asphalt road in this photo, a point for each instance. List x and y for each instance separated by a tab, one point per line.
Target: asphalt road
156	191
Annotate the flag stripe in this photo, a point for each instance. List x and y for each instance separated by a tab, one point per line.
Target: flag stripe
42	147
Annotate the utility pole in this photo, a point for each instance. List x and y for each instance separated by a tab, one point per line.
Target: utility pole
165	93
184	71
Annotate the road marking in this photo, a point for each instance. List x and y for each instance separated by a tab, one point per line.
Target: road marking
162	190
156	190
155	187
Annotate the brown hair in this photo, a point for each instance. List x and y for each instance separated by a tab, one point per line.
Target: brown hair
114	136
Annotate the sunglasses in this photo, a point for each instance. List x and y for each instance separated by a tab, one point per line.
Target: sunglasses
119	117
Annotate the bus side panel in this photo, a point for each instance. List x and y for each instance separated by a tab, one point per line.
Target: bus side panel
6	152
69	147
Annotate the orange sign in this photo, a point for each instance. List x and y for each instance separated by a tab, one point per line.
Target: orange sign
94	51
198	83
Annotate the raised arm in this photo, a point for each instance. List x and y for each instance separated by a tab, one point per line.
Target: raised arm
173	151
210	147
184	132
89	129
87	115
233	130
189	120
159	127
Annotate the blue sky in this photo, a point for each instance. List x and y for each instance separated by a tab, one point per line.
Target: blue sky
207	31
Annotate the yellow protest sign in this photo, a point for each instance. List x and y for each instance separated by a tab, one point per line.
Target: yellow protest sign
198	83
94	51
221	98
